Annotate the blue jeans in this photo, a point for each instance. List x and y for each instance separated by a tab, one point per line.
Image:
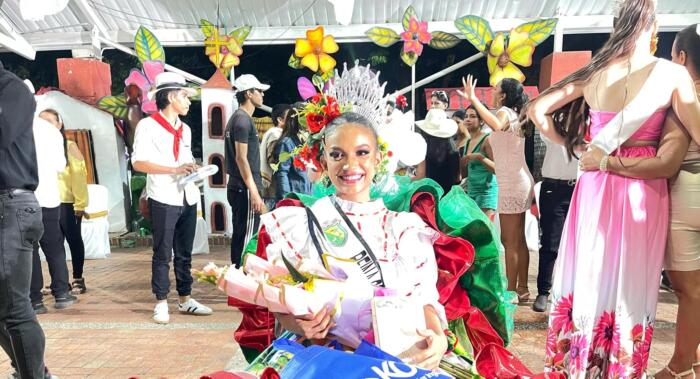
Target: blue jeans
21	335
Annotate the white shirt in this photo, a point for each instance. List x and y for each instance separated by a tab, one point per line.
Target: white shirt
152	143
51	161
557	164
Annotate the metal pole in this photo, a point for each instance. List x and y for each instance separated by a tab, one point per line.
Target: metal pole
187	75
413	87
559	37
438	74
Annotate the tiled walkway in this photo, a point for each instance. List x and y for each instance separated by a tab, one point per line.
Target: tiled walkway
109	333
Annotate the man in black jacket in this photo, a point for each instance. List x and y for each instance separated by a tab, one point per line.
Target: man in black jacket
21	335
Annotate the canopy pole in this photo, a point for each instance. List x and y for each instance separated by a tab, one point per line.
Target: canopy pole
438	74
413	87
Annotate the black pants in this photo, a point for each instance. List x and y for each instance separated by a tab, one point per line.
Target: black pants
70	226
173	232
555	198
51	243
21	335
245	222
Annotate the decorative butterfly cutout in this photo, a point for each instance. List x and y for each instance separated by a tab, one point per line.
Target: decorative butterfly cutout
414	36
223	50
506	49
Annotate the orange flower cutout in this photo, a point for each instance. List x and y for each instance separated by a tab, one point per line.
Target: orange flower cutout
314	50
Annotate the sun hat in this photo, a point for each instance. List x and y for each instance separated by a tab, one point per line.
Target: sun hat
170	80
437	124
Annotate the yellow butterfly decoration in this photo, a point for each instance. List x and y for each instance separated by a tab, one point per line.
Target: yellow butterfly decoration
506	49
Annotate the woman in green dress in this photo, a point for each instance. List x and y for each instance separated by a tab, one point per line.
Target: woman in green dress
478	165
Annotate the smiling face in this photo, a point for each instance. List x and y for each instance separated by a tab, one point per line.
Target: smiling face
350	159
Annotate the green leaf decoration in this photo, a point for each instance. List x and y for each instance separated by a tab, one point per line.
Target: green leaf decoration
147	46
409	58
383	37
410	12
207	28
241	34
296	275
476	29
116	105
538	30
442	40
295	62
317	80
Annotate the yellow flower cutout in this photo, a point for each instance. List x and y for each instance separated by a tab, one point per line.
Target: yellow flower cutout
223	51
314	50
503	54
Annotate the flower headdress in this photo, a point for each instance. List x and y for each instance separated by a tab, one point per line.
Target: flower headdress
357	90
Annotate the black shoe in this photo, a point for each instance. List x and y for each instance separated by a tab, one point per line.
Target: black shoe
665	282
78	286
39	308
65	301
540	303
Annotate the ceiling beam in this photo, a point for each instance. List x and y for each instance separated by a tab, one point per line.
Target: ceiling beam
92	17
14	42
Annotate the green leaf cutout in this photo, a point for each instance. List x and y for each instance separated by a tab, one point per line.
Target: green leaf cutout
116	105
207	28
295	62
477	31
442	40
383	37
410	12
296	275
241	34
538	30
147	46
409	58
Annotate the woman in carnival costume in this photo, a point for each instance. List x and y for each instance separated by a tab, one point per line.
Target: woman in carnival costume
395	231
606	279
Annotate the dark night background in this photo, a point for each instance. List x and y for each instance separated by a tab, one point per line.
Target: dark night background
269	65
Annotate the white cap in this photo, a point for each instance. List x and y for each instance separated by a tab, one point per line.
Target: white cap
248	81
437	124
170	80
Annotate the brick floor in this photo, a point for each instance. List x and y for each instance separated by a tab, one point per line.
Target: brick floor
109	333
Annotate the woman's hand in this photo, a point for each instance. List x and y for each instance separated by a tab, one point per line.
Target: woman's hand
469	86
474	157
590	159
427	352
310	327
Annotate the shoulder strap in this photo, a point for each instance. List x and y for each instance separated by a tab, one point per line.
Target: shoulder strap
481	141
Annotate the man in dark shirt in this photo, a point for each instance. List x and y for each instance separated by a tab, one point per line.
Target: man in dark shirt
21	335
242	150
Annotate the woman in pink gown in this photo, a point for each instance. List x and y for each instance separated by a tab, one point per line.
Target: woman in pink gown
607	275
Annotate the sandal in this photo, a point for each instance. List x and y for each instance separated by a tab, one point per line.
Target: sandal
523	295
78	286
680	375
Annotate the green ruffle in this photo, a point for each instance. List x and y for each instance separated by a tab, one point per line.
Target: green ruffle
459	216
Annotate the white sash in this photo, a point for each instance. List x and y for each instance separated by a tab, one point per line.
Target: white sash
655	94
339	242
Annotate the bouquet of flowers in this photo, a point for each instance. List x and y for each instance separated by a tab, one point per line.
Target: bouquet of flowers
300	290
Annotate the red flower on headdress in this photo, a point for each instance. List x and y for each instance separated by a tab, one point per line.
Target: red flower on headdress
316	122
401	101
316	98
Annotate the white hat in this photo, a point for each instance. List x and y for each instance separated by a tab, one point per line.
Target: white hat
437	124
248	81
29	85
170	80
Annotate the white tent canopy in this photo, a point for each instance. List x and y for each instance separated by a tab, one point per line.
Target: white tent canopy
77	23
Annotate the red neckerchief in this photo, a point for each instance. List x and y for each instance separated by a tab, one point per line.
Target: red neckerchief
176	133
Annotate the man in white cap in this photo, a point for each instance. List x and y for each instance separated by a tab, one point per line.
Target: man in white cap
243	165
162	149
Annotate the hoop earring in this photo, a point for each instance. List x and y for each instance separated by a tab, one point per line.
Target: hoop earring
325	180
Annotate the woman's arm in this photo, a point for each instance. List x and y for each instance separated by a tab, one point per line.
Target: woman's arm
486	159
496	122
686	105
283	187
669	157
541	109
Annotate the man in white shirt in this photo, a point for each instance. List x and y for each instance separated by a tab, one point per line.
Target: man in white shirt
162	149
558	181
51	161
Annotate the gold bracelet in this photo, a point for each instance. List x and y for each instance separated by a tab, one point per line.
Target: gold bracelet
604	163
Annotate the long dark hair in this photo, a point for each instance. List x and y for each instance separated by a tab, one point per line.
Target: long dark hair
635	17
62	130
515	98
688	40
291	129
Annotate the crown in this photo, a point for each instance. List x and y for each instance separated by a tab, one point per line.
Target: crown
360	88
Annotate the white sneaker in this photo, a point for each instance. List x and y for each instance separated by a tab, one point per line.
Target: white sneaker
160	313
193	307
